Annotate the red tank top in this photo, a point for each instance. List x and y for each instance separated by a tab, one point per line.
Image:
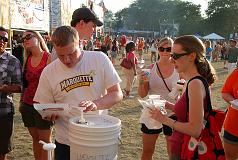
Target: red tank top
32	76
180	110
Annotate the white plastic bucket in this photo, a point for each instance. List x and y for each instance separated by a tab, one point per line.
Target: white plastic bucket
97	140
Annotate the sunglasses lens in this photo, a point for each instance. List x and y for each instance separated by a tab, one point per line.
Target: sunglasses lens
27	37
4	39
168	49
175	56
162	49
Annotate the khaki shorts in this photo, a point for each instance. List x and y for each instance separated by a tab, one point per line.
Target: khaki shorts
31	118
140	52
123	50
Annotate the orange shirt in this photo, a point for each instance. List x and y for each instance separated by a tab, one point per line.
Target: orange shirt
140	46
231	87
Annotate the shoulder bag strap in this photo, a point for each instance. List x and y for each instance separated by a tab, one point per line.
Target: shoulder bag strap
163	78
209	104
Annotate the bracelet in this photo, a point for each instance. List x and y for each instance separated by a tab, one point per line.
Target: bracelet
173	125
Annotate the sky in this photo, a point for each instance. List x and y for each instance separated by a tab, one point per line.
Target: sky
116	5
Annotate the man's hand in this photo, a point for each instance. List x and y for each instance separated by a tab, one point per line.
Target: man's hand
89	105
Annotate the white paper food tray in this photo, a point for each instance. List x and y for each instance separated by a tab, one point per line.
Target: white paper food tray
52	108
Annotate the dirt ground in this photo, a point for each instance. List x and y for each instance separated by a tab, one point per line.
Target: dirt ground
128	111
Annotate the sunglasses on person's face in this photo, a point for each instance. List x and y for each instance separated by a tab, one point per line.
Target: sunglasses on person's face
176	56
4	39
162	49
27	37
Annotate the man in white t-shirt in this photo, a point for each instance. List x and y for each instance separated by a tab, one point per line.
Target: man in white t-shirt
79	78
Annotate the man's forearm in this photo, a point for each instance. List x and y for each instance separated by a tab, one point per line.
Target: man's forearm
109	100
10	88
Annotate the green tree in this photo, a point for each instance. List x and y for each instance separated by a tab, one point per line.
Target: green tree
161	15
222	16
109	20
189	18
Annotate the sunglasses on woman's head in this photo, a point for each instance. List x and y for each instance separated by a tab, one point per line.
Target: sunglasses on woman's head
27	37
176	56
4	39
162	49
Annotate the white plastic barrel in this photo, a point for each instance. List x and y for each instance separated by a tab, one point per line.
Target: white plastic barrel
97	139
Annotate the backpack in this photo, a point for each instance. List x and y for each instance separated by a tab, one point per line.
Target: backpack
208	146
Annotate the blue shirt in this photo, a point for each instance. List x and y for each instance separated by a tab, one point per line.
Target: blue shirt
208	51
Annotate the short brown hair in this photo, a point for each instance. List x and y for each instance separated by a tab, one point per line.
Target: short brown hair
64	35
3	29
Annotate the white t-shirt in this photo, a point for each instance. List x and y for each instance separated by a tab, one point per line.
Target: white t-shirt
157	85
88	80
153	48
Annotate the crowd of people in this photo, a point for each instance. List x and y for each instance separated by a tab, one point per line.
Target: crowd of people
38	77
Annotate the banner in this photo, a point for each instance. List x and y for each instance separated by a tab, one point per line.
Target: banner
62	11
30	14
4	14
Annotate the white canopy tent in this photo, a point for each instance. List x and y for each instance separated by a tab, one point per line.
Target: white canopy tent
213	36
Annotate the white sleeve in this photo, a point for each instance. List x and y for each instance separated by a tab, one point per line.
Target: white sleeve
53	54
110	74
44	92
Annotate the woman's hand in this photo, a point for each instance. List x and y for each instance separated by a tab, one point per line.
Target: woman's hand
157	115
169	105
143	76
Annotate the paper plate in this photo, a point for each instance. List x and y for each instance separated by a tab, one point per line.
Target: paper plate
52	108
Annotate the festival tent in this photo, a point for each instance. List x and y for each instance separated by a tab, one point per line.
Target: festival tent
213	36
198	35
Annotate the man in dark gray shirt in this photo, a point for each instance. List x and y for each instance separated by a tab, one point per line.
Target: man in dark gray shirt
232	55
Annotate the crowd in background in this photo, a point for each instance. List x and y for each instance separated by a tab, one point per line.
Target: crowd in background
185	57
112	46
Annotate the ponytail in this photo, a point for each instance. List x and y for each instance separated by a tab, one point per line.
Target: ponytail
205	68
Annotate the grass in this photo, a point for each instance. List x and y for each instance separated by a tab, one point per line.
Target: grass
129	112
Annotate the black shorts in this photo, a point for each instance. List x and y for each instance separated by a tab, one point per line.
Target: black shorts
31	118
62	151
6	127
229	138
166	129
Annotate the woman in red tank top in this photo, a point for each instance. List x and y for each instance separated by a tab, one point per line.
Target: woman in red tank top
36	57
188	58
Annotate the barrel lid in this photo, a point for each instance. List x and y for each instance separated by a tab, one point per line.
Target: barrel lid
97	122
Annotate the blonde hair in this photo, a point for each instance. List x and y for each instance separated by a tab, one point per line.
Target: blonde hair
192	44
208	43
42	44
166	40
